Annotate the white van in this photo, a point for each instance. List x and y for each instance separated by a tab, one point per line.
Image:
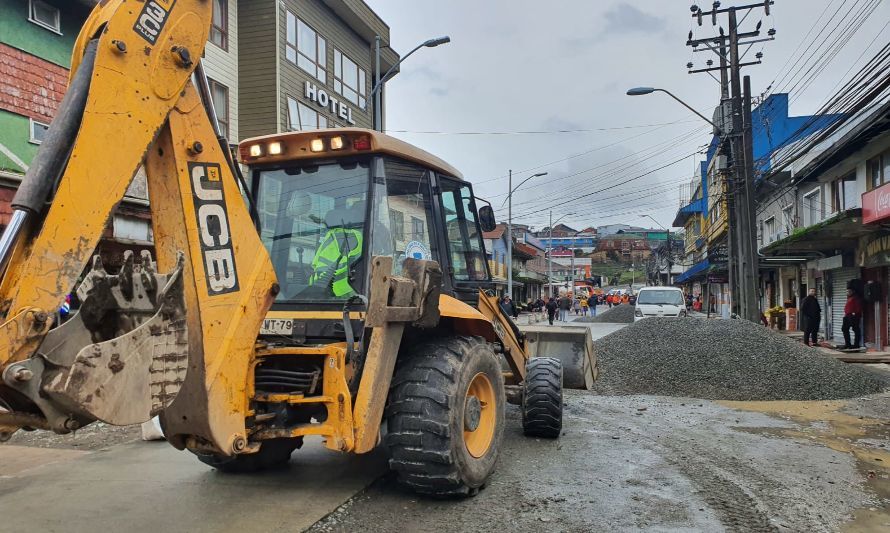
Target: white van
659	301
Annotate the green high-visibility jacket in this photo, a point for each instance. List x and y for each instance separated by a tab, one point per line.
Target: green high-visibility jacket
339	249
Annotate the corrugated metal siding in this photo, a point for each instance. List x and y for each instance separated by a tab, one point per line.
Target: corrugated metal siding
222	66
257	62
839	280
338	35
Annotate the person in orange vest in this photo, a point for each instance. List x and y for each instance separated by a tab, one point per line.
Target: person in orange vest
625	298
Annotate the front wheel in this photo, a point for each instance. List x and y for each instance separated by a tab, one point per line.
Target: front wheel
445	416
542	398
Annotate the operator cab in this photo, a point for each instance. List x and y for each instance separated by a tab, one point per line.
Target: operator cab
326	201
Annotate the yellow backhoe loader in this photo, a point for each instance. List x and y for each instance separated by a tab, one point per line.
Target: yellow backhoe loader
340	289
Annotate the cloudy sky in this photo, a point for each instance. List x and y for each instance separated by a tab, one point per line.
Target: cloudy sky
540	87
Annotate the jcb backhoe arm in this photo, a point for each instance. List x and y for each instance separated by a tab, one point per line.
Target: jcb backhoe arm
143	342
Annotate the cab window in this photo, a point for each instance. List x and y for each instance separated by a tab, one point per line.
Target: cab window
464	239
408	204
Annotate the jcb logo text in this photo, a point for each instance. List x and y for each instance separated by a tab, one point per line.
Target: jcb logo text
213	225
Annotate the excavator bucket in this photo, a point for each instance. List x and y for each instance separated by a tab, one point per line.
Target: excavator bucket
122	358
572	345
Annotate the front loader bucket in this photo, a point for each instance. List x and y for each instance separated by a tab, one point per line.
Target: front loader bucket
573	345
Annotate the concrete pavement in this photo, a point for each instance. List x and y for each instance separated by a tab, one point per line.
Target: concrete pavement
151	487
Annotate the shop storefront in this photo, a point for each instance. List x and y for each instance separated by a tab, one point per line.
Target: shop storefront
875	260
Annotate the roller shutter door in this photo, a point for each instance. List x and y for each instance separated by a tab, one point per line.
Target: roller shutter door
839	279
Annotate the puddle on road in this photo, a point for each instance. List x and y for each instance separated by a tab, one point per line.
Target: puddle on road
823	422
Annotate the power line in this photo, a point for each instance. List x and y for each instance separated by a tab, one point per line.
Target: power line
587	195
541	132
662	148
573	156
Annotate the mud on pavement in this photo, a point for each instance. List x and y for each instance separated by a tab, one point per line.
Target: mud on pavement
667	464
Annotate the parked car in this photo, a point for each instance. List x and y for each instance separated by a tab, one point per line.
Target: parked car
659	301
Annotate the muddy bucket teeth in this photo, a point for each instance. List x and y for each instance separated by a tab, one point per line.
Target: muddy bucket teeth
123	357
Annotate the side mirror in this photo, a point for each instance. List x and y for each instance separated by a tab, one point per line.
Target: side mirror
486	218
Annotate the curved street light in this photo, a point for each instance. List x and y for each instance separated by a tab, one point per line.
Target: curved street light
379	80
510	227
550	252
640	91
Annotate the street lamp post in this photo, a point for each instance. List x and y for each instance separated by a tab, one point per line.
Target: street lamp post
669	252
639	91
550	253
509	201
379	80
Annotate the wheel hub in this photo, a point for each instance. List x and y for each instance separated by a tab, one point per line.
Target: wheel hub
472	413
480	415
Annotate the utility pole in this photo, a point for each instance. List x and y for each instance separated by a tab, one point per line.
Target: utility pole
740	212
748	157
550	258
572	248
670	260
510	235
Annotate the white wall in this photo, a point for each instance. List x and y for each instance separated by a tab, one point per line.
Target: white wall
222	66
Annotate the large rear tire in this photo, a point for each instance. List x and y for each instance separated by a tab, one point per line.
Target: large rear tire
445	416
274	453
542	398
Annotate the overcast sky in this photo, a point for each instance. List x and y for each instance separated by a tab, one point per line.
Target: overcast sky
531	66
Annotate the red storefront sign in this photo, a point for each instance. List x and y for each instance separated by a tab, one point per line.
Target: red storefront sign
876	204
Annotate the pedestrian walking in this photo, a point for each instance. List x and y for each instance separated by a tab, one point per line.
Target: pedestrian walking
576	305
565	304
811	313
551	307
584	304
852	320
609	300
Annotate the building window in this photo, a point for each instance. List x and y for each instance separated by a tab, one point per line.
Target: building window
350	80
843	194
788	219
219	31
306	48
38	131
769	229
874	169
219	94
417	229
301	117
812	207
45	15
397	223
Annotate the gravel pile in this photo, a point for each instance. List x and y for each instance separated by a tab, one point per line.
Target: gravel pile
623	314
723	360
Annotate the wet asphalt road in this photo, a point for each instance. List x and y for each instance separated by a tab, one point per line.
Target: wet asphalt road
643	463
631	463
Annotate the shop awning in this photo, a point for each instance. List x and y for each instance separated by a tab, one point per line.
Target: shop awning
693	271
839	233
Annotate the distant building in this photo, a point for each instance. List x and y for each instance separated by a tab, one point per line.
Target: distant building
611	229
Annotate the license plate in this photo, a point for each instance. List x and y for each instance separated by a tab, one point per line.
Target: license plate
277	326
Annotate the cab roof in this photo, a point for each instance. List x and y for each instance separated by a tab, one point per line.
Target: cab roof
380	143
